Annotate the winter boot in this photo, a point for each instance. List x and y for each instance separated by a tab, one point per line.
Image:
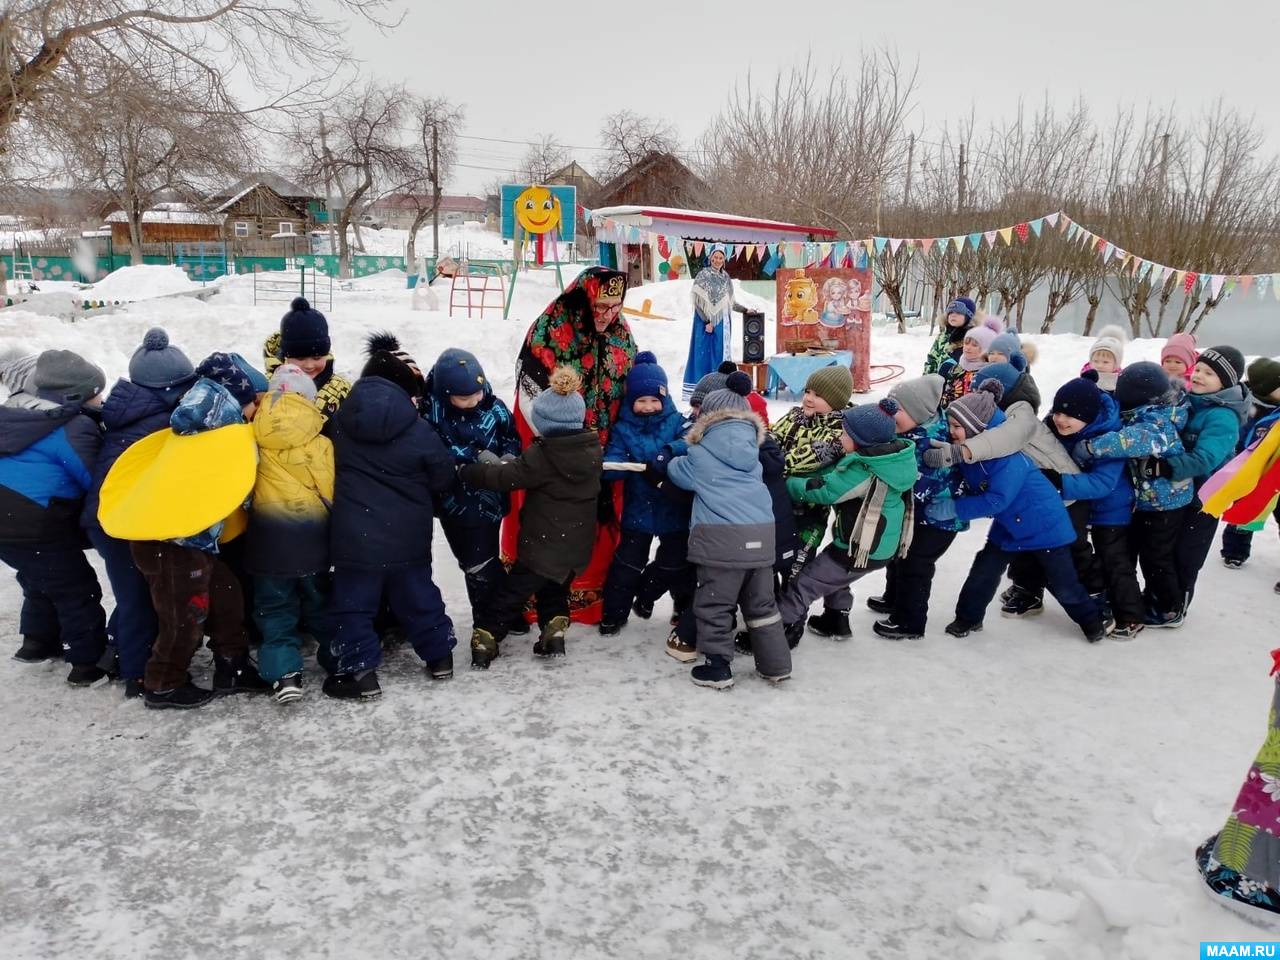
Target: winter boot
793	633
1126	631
611	629
133	689
550	642
1232	563
958	628
186	697
237	675
441	668
38	650
774	678
642	609
714	672
833	624
484	649
742	641
288	689
85	674
1022	604
891	631
1169	621
879	605
679	650
350	686
1095	630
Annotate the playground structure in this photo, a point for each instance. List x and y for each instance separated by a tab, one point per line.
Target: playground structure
532	213
283	286
472	285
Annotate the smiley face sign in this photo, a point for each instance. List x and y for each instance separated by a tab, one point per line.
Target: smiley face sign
537	211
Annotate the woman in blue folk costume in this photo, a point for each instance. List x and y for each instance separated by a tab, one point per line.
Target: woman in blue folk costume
710	341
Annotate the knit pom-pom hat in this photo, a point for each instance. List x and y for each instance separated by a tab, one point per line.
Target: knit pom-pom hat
304	331
869	424
1112	339
732	396
974	410
646	378
1080	399
559	409
158	363
1140	384
389	361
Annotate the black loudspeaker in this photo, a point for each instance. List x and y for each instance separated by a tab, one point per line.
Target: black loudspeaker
753	337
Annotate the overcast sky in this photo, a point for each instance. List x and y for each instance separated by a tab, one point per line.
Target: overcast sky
527	69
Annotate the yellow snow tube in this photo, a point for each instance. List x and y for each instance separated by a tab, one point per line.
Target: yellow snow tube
167	486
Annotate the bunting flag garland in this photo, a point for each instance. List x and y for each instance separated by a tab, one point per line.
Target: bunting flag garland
990	237
1189	281
1006	234
1021	229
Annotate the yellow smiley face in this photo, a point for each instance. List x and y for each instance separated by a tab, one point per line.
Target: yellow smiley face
537	210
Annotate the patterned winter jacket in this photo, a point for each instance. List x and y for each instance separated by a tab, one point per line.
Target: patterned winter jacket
331	389
1021	430
1149	431
637	439
1211	433
943	483
959	381
809	444
486	426
942	349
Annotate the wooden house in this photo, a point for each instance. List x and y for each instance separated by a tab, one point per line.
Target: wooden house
658	179
168	223
263	206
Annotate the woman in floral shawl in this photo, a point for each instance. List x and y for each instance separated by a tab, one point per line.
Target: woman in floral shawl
583	328
713	303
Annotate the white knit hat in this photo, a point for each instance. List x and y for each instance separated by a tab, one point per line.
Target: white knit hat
1112	339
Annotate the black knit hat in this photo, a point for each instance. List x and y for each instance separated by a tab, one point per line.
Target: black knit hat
1141	383
1226	362
304	332
1078	398
1264	377
388	361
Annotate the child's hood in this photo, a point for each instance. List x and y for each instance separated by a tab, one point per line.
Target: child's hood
285	421
376	411
731	436
1234	398
893	462
206	406
21	427
129	403
649	423
575	456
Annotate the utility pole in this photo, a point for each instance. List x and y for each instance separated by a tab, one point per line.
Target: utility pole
435	191
328	187
1164	164
962	177
911	150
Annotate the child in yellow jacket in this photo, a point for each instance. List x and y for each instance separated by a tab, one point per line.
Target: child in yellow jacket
288	546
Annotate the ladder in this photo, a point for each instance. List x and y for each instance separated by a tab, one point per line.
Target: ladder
473	290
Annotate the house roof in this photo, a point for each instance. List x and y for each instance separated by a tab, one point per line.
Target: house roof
647	165
273	181
725	226
448	203
573	172
170	213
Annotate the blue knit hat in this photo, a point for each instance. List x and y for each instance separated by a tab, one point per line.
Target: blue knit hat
1006	373
1007	344
1140	384
559	409
646	378
457	373
1078	398
870	424
304	332
963	306
159	364
232	371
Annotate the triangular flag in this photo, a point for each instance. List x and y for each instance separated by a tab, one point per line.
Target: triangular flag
881	243
958	243
697	248
990	236
894	244
1188	280
824	251
1063	223
1022	229
1037	226
1006	235
1264	283
926	244
1232	283
1275	285
1158	274
1107	250
1215	283
975	240
1246	281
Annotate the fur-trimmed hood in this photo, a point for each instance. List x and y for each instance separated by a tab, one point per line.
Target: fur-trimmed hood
705	423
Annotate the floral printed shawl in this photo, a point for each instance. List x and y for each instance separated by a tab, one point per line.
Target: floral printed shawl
565	335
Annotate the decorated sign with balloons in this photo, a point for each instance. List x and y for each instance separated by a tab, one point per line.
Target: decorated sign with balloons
536	213
672	265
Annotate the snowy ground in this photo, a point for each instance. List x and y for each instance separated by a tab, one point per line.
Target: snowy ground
1018	794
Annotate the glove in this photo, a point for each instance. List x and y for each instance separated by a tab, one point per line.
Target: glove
508	458
943	454
940	511
487	456
815	483
1082	454
1054	477
1149	468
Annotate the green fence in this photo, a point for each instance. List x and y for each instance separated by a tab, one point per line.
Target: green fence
362	265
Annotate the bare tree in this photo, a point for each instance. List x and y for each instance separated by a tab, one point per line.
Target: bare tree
134	142
435	123
628	137
48	47
542	160
809	148
363	154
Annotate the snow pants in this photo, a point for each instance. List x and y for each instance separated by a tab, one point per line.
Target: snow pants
827	575
1237	542
194	593
1114	552
475	547
721	591
133	625
61	598
1195	540
415	601
633	577
1154	535
1060	577
281	605
521	583
1028	575
908	580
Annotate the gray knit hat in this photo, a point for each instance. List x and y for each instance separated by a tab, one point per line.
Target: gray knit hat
559	409
919	398
67	377
974	410
833	384
732	396
290	378
712	381
159	364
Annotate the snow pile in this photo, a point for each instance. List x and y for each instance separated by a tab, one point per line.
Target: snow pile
141	282
1018	795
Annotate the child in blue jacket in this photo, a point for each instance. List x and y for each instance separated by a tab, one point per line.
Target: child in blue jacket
477	427
1263	383
48	445
647	422
1029	517
1151	415
1219	406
